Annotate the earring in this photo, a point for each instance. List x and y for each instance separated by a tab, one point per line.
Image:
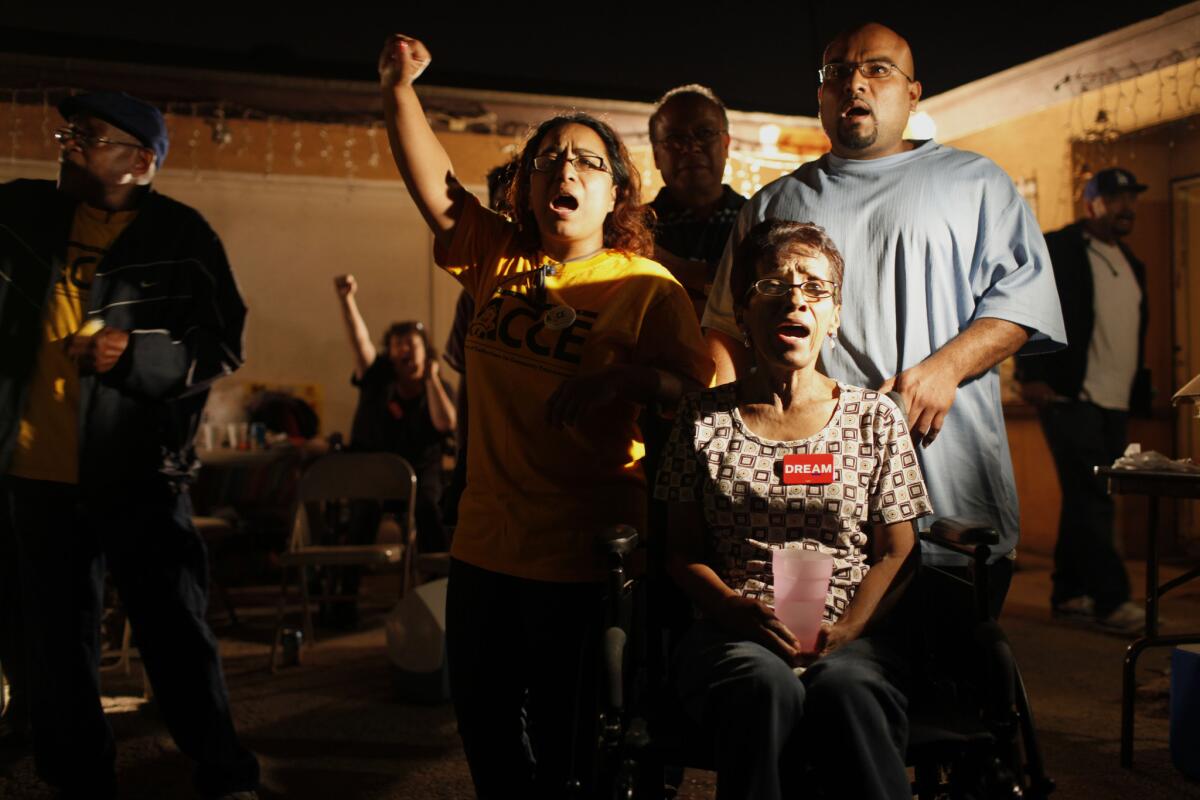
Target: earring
746	339
833	338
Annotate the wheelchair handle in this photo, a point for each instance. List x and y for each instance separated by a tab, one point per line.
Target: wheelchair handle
968	537
953	530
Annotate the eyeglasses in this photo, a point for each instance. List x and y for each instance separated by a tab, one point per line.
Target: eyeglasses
682	141
873	70
813	289
73	134
582	162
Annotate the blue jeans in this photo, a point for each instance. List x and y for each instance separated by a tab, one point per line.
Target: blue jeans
843	725
160	567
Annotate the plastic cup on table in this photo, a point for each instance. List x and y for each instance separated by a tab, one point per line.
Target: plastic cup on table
801	583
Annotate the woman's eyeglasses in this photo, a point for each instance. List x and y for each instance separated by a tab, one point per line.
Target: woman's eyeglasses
582	162
813	289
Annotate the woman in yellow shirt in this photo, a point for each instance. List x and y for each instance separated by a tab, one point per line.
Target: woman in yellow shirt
574	331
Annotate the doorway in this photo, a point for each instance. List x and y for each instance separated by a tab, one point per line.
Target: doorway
1185	228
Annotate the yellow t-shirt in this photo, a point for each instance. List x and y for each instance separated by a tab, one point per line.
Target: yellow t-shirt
48	440
536	496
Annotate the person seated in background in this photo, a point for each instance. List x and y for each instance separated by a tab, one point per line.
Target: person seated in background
404	407
575	329
729	507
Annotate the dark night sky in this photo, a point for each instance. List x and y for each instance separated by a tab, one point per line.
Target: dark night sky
757	60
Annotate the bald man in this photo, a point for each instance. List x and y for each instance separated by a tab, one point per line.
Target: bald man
946	276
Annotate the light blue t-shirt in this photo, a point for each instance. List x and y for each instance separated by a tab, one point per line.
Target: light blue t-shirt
933	239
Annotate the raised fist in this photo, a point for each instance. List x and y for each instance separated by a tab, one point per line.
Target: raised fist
346	285
403	59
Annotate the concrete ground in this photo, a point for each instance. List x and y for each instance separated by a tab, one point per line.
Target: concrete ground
332	728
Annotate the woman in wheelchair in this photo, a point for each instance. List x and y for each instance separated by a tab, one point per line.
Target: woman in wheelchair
574	330
842	726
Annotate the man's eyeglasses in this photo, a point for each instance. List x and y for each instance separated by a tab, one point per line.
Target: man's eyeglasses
682	141
873	70
813	289
73	134
582	162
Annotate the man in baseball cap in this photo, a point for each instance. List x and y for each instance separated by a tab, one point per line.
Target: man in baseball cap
134	116
1085	394
119	311
1112	182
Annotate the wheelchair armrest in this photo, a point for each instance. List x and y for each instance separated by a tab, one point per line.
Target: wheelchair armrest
969	537
619	540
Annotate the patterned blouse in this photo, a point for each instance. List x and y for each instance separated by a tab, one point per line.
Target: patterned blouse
714	459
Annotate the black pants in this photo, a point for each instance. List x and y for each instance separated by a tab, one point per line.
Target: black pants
160	567
522	656
1081	436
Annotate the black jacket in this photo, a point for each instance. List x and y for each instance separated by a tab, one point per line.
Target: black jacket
1066	369
167	281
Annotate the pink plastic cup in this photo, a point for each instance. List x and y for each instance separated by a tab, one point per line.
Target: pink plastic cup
801	583
803	619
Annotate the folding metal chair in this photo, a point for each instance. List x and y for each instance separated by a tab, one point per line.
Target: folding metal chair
342	477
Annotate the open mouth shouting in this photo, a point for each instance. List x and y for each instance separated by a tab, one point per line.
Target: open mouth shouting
792	333
563	204
855	110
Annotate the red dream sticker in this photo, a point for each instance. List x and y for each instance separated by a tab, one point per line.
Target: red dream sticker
808	468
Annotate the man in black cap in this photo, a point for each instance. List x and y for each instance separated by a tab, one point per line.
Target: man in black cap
1085	393
118	310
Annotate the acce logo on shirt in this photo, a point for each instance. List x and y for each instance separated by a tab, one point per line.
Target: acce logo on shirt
513	328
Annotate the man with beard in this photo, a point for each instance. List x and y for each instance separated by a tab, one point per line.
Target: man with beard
694	211
946	276
1084	395
119	310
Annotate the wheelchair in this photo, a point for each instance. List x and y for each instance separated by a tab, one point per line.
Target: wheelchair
971	734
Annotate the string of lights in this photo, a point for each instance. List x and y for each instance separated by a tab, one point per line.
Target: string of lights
223	135
1111	111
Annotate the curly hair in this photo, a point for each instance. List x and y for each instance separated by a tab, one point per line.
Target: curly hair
625	226
770	239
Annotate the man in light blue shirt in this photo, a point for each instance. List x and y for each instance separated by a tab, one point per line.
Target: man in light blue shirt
946	276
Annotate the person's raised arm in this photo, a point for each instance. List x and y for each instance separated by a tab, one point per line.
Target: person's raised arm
356	328
441	407
423	162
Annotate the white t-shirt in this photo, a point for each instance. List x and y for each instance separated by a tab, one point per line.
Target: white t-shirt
1112	352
